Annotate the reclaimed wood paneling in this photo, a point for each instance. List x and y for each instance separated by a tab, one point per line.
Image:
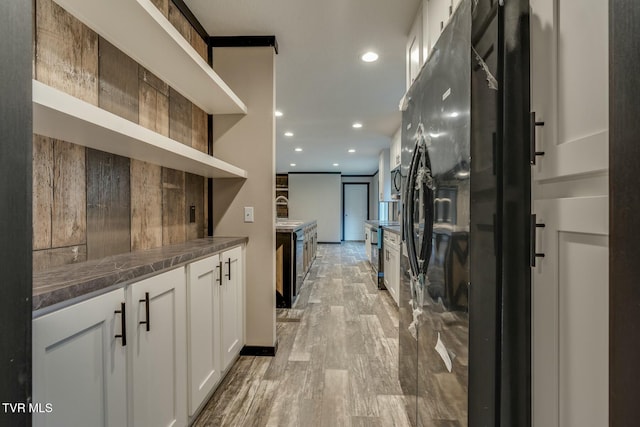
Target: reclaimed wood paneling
179	117
108	204
118	82
162	5
66	52
194	190
173	206
199	129
49	258
42	191
69	208
153	102
199	44
178	20
146	205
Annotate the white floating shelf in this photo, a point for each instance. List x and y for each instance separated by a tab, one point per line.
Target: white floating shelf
141	31
61	116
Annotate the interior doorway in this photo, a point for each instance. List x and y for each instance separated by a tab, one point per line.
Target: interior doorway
355	210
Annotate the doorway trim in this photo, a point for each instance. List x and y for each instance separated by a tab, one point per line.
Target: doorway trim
368	201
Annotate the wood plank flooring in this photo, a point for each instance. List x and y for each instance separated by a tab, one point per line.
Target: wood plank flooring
337	359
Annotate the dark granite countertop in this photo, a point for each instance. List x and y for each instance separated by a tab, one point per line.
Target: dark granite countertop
291	225
73	281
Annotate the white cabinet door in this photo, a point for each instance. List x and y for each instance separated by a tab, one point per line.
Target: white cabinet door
158	350
79	366
203	325
367	242
437	17
396	150
391	275
232	308
414	58
569	93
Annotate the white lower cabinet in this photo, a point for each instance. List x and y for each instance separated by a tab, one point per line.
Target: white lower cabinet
158	352
184	328
215	320
232	307
79	365
392	265
203	325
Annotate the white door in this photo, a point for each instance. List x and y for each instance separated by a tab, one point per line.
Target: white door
232	305
203	325
356	200
79	365
569	93
159	350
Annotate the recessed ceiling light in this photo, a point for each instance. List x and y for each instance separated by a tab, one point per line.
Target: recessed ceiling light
356	125
288	134
278	113
298	149
352	150
370	57
336	164
292	164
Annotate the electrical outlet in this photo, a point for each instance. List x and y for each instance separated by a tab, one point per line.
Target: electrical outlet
248	214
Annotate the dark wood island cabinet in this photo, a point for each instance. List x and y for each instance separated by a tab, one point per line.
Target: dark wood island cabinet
296	244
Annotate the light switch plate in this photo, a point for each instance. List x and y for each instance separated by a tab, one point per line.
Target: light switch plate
248	214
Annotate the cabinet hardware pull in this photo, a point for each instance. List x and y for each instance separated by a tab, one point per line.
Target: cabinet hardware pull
146	322
228	275
532	252
532	138
219	279
123	324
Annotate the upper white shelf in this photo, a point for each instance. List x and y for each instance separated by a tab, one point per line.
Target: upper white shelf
62	116
141	31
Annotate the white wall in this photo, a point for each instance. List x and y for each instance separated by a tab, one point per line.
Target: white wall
319	197
249	142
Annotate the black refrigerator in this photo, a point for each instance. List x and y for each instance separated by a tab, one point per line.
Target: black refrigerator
464	317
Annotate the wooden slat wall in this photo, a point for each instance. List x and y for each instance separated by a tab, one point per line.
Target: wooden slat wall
173	207
146	205
66	52
194	186
180	122
108	204
154	208
68	213
42	191
119	91
153	102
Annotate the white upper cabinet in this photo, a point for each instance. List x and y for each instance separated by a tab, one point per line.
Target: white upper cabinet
396	150
438	12
414	50
140	30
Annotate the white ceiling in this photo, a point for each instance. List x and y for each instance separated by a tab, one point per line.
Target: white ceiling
322	85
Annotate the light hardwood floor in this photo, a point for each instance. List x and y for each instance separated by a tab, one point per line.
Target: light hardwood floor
337	359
